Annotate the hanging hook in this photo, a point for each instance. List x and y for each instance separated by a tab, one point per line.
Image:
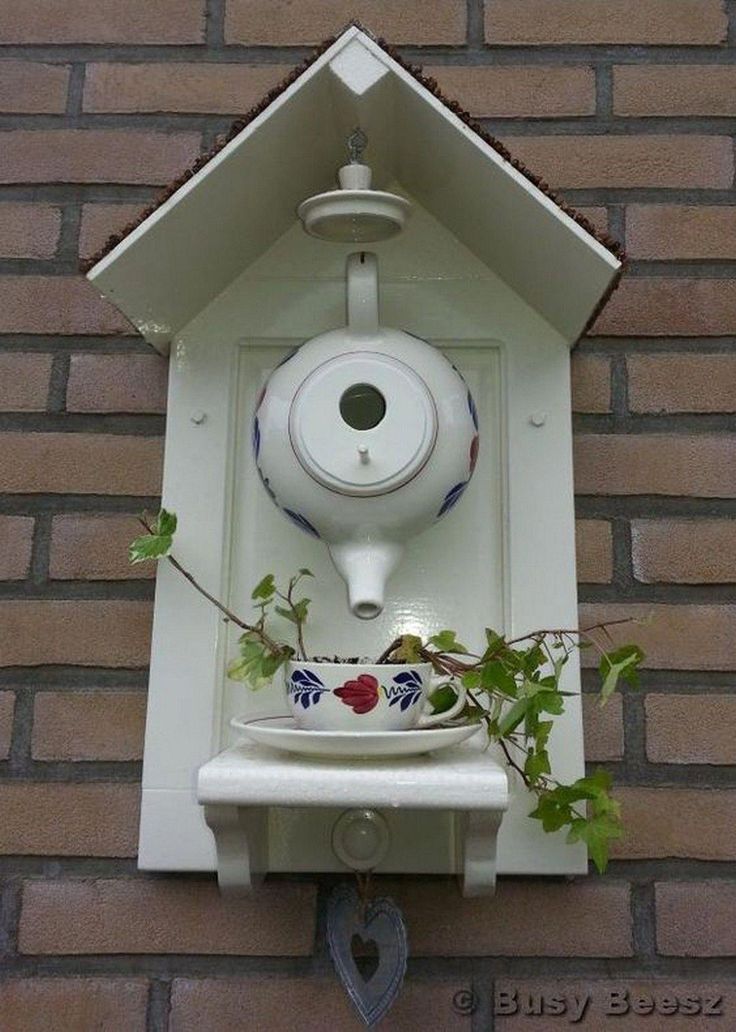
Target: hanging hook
357	143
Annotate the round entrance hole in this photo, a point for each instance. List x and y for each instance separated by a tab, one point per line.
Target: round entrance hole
362	406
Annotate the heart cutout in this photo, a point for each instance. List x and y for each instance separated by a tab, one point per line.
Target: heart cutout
365	955
353	929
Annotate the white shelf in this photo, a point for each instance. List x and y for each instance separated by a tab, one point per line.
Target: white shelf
246	787
464	777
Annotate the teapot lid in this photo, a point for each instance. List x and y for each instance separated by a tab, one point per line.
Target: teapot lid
363	423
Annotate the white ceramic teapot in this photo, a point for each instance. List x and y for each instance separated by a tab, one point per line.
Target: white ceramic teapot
363	437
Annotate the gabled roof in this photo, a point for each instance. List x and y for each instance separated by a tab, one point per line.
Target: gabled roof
234	202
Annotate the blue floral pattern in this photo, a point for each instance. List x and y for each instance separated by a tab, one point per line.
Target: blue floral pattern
452	497
406	690
287	356
473	410
301	521
305	688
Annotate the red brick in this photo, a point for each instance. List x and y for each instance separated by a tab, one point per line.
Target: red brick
660	307
604	728
16	541
593	162
697	466
24	381
676	822
92	725
591	383
103	21
7	710
696	551
53	819
696	919
117	383
101	221
134	915
691	729
518	1006
26	86
524	918
518	91
95	155
594	545
56	305
681	231
682	383
281	23
263	1002
640	90
607	21
673	637
223	88
99	633
597	215
95	548
66	463
73	1004
29	230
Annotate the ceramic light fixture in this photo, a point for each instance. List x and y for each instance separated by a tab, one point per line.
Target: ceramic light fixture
355	213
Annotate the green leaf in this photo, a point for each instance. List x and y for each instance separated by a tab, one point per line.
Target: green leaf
443	698
165	524
513	716
304	572
471	680
597	833
156	544
494	643
495	677
552	811
148	546
265	588
446	641
621	664
288	614
537	763
408	650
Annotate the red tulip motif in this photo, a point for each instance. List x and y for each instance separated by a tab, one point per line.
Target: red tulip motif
474	453
361	694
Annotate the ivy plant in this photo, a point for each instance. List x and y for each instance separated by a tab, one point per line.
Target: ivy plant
513	686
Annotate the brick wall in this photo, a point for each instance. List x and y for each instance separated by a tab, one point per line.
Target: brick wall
627	106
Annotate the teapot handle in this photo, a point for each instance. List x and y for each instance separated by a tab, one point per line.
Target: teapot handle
362	291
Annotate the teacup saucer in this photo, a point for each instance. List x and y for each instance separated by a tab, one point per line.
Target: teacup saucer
282	733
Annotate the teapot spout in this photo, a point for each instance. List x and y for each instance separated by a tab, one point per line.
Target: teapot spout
366	566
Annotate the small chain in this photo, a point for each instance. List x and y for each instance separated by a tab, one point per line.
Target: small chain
363	880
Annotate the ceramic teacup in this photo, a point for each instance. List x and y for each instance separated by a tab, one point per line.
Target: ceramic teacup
364	696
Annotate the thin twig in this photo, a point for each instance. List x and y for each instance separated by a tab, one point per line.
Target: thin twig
227	613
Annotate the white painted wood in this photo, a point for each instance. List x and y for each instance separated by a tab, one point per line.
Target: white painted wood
240	786
241	842
501	558
477	832
465	777
231	211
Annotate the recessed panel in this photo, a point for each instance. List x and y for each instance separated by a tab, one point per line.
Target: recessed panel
451	575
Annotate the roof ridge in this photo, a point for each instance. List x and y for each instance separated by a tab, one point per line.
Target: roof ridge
429	84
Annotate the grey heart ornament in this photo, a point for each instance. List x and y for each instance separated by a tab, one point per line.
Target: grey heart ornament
379	922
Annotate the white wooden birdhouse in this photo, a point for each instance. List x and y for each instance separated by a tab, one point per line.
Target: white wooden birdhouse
433	289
